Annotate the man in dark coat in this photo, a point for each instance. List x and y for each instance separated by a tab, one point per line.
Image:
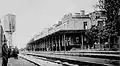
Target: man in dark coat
4	53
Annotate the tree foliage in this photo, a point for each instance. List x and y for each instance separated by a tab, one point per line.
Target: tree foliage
97	34
92	34
112	10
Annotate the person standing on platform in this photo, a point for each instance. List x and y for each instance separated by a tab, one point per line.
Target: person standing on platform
15	52
9	52
4	53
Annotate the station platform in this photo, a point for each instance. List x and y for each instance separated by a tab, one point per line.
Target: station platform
17	62
38	62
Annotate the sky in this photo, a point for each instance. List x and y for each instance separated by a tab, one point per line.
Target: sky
32	16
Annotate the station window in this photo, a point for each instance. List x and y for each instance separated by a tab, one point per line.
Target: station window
67	21
85	25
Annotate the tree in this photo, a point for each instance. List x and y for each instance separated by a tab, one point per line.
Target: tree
92	35
111	8
97	34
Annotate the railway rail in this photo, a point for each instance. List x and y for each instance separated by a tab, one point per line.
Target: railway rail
62	61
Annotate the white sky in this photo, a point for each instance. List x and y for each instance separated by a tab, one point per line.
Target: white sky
32	16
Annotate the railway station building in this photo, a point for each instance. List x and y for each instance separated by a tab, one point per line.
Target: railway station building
68	33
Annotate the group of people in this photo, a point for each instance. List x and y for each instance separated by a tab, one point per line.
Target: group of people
8	52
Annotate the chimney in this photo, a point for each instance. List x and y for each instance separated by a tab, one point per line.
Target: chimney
77	14
82	12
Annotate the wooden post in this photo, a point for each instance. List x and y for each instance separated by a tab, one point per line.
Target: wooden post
82	41
52	43
41	45
49	43
59	43
44	45
56	42
33	47
64	41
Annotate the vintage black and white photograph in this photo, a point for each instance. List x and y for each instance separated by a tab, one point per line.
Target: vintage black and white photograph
59	32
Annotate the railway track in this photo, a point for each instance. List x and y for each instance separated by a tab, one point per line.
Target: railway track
63	61
48	61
